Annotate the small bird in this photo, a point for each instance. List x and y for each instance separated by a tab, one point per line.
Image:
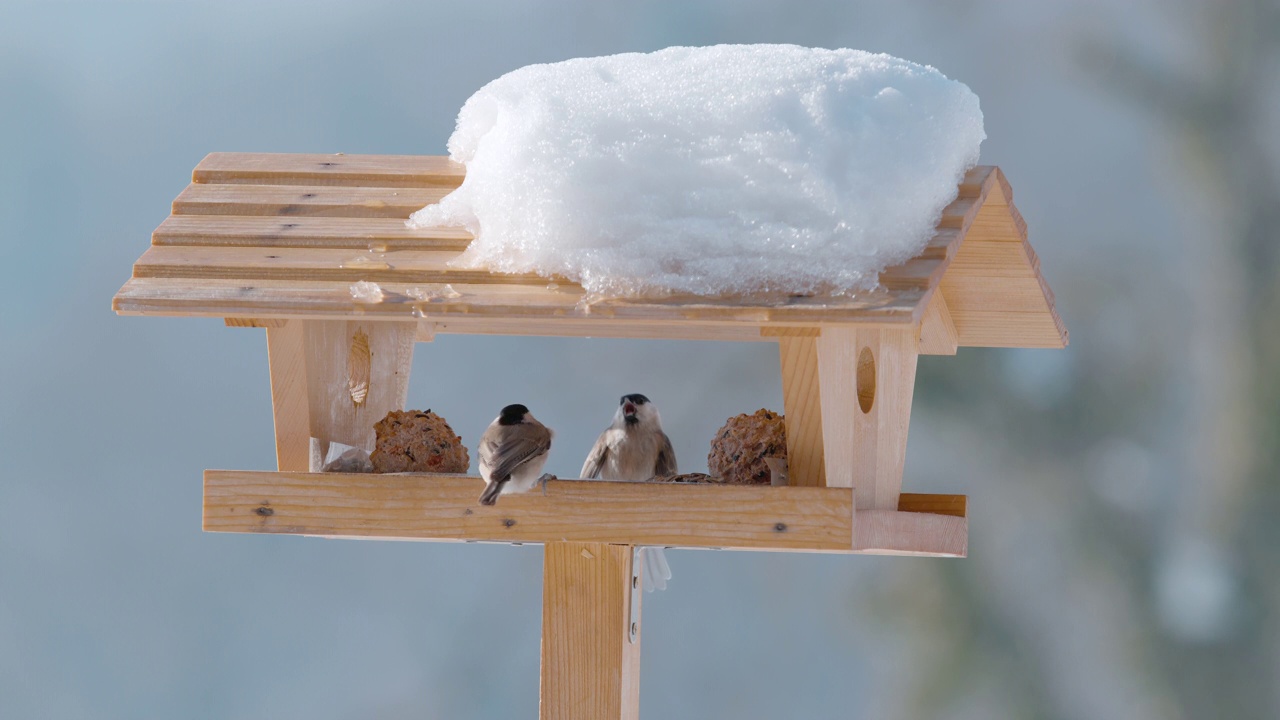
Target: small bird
513	450
634	448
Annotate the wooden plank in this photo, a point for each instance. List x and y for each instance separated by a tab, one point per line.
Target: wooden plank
884	532
593	328
954	505
335	169
976	180
356	372
781	332
867	380
253	322
446	507
290	405
937	331
415	506
1010	329
919	273
297	299
802	411
316	264
304	201
590	667
378	234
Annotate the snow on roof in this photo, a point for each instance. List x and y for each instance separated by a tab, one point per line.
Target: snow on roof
734	169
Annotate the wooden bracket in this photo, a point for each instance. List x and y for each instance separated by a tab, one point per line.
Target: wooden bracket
590	666
802	410
331	380
866	380
937	331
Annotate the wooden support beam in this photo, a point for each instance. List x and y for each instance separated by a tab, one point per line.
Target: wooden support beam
802	410
418	506
884	532
357	371
290	406
937	331
867	379
590	664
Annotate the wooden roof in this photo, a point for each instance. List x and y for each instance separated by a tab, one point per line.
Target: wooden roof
257	236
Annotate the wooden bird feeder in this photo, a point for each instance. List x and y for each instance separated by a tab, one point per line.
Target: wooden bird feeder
277	241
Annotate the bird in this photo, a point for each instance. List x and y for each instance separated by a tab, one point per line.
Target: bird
513	451
634	448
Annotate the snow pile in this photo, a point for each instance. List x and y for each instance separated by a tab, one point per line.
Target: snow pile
717	170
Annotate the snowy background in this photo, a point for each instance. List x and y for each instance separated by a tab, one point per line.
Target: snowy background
1123	493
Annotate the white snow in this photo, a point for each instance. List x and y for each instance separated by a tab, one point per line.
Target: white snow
716	170
366	292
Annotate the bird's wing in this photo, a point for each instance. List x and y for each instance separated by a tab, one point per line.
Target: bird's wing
595	459
515	449
666	465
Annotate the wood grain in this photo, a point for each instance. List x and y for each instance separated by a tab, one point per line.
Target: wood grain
938	334
219	297
290	404
954	505
445	507
884	532
802	410
336	169
590	668
352	233
337	412
866	449
305	201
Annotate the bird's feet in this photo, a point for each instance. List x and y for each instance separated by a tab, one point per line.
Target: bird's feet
542	481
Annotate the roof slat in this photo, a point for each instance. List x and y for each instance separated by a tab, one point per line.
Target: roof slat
304	200
339	169
306	232
291	298
263	263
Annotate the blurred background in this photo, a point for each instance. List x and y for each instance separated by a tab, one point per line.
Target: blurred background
1124	554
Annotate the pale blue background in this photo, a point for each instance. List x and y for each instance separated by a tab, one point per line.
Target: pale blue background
113	604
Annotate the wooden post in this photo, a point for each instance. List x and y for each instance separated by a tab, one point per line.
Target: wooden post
590	664
802	409
331	380
867	378
286	354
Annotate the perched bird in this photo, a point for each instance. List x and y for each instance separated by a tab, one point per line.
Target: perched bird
513	450
634	448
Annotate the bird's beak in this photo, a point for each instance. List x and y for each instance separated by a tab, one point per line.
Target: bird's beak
628	409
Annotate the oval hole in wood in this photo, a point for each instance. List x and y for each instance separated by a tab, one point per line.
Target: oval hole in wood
866	380
359	363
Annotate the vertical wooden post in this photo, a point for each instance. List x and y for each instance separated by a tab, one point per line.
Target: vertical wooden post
590	665
331	380
802	409
286	354
867	379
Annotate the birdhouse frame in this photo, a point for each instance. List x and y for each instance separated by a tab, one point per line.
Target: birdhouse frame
290	243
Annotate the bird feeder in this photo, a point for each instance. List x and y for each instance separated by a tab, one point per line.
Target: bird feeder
314	248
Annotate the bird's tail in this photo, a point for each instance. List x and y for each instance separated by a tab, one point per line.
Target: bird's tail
656	570
490	494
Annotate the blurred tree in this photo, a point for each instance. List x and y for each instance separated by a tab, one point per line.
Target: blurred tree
1124	598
